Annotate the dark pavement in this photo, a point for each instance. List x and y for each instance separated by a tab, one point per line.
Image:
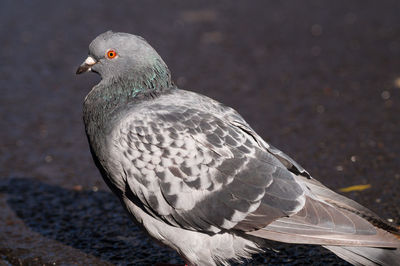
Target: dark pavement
318	79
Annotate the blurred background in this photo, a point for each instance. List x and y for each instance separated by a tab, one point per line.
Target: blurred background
320	80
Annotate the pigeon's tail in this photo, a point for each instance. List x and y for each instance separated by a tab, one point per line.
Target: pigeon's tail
367	256
361	255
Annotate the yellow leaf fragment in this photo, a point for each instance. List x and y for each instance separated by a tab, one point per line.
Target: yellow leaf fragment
355	188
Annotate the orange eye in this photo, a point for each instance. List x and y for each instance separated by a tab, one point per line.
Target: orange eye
111	54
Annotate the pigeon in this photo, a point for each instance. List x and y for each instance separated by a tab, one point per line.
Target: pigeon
196	177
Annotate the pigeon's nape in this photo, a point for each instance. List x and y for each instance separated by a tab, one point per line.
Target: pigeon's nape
199	179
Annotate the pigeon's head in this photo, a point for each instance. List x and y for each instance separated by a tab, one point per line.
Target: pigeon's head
123	56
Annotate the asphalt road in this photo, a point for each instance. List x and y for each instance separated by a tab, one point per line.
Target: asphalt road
318	79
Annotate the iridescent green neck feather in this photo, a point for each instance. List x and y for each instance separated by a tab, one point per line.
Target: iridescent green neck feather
110	94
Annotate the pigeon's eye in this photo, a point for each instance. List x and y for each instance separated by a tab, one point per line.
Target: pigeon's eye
111	54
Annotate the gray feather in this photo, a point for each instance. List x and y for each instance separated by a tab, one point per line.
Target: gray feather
367	256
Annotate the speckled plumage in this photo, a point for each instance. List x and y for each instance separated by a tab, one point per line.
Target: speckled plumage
197	178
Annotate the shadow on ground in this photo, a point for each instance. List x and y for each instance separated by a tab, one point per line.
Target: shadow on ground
95	223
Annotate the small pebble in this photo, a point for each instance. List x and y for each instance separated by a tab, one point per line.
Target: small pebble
339	168
77	188
397	83
385	95
320	109
48	158
390	220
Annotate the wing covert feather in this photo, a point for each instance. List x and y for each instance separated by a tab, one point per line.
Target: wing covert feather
196	170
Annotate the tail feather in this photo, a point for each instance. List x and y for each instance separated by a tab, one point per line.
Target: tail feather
367	256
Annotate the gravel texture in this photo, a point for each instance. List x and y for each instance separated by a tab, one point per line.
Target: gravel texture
318	79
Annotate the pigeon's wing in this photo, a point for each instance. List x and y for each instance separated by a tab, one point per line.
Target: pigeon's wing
198	171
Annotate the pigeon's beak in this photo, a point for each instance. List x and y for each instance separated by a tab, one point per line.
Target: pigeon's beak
86	66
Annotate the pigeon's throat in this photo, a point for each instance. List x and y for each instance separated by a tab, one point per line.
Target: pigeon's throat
110	95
